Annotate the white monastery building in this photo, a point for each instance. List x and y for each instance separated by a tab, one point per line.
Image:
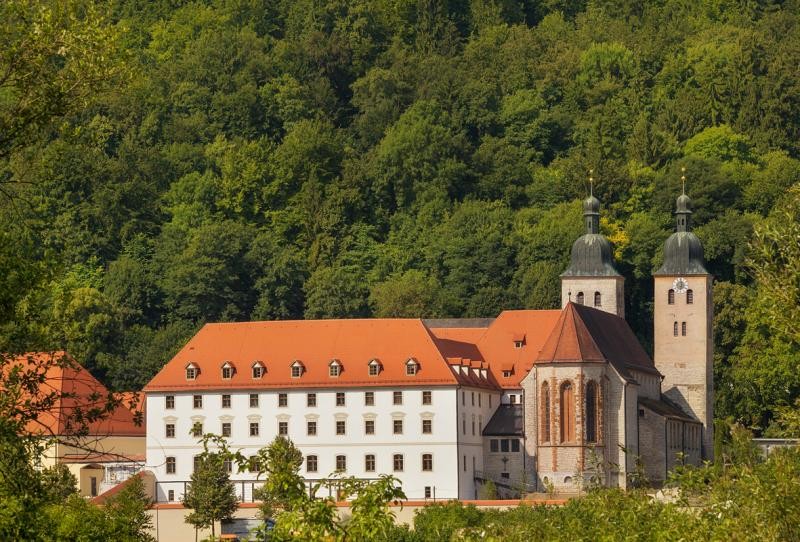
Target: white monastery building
531	399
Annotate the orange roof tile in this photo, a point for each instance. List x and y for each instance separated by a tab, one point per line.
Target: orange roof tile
498	348
75	393
314	343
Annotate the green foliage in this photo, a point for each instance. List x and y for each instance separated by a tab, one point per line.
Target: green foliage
210	495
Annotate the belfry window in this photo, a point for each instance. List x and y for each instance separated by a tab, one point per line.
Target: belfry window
579	298
689	297
567	405
598	299
545	429
675	329
591	412
671	296
683	329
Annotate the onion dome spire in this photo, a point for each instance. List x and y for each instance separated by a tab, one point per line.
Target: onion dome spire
683	251
591	254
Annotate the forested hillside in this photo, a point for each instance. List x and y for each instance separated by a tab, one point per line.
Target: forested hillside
260	159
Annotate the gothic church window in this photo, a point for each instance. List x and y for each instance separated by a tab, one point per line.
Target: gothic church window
579	298
545	413
671	296
683	329
591	412
675	329
689	297
597	299
567	407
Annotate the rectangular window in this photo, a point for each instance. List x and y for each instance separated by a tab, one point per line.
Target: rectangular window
490	401
283	400
427	427
340	427
427	462
283	428
513	399
341	463
373	369
253	400
258	371
253	429
169	401
198	401
311	400
427	492
504	445
170	465
427	398
191	373
339	398
464	424
227	373
465	463
473	425
494	446
226	401
463	398
369	398
333	370
311	429
226	429
296	371
369	427
397	398
369	463
480	399
253	464
397	426
171	495
197	429
397	462
473	398
228	464
170	430
311	463
514	445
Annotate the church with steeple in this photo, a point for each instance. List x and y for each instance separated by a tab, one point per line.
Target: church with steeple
597	406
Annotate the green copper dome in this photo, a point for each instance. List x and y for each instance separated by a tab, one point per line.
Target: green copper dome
683	251
591	253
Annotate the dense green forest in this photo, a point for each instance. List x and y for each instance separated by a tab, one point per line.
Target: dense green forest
275	159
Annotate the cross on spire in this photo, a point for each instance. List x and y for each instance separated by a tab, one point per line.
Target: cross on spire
683	181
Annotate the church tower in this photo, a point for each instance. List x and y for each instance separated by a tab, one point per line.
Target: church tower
683	314
591	278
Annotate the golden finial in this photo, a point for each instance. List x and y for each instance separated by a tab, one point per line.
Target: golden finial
683	180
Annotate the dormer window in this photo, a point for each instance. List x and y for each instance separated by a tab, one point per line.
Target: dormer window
508	370
507	374
374	367
227	370
192	371
334	368
519	340
412	367
258	370
297	369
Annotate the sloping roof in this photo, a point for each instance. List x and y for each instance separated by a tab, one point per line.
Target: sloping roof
666	408
590	335
314	343
74	393
498	348
506	421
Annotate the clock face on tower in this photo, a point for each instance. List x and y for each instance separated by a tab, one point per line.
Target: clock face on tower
680	285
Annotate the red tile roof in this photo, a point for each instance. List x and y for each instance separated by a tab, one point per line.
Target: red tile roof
586	334
314	343
74	393
447	356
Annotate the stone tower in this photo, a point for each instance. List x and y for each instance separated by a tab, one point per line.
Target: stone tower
683	314
591	278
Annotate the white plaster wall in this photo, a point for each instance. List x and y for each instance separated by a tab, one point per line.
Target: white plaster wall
469	456
442	443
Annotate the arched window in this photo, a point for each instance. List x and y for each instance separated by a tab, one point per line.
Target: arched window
545	429
675	329
579	298
591	412
683	329
689	297
597	299
671	296
567	413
